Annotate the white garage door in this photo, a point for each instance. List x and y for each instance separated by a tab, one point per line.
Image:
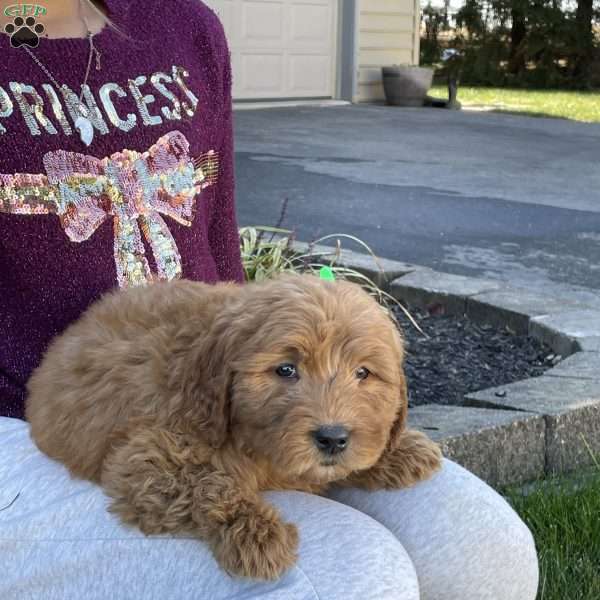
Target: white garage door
280	48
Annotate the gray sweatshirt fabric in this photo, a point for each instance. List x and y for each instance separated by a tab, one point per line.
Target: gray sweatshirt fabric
449	538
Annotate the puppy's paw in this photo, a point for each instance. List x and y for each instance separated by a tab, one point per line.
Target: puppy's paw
258	545
410	457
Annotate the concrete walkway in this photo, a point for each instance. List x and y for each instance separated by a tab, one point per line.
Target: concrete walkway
480	194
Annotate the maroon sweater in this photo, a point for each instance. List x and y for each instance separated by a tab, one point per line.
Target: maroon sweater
150	198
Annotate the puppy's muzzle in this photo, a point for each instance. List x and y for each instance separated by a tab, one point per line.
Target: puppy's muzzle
331	439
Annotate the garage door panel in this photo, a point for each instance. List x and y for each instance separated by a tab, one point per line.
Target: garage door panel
235	68
225	10
228	17
280	48
261	73
311	24
309	74
262	23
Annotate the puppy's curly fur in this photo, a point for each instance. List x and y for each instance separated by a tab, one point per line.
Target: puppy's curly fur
169	397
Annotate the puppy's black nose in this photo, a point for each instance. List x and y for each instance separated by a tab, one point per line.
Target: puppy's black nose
331	439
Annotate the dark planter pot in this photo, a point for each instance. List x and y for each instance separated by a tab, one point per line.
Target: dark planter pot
406	85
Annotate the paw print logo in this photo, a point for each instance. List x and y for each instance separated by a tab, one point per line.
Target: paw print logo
24	32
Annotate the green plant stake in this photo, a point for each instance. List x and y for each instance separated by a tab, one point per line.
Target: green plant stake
326	273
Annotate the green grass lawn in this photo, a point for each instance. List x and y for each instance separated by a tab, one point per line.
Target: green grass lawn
579	106
564	516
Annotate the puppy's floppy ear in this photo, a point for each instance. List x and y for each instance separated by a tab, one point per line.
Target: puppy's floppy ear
201	374
398	351
400	423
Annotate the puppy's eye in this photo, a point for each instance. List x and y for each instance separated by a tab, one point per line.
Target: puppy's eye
362	373
287	370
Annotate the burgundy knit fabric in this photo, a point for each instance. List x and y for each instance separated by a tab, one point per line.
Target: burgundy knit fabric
47	278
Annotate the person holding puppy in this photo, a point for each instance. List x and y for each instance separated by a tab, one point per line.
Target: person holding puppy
116	171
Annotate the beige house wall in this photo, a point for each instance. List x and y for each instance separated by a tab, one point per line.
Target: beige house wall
388	34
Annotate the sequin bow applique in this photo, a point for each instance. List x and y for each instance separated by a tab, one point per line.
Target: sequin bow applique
131	188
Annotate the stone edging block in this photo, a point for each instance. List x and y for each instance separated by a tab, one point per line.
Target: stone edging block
568	329
500	446
583	365
425	287
588	344
570	407
515	307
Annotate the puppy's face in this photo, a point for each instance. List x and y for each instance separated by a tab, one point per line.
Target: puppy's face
319	383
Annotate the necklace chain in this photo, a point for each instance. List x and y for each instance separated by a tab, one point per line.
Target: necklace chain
83	123
51	77
93	51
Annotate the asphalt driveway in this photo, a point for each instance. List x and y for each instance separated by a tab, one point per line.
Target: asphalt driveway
509	197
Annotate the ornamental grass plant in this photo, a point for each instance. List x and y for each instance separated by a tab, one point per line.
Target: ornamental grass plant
267	251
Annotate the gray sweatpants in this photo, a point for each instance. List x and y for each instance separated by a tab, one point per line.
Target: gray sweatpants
450	538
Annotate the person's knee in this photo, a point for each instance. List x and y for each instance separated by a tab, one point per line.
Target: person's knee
346	554
486	552
511	563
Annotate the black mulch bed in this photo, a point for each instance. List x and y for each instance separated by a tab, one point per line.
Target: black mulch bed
461	356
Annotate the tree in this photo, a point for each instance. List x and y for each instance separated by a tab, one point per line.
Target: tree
518	33
584	37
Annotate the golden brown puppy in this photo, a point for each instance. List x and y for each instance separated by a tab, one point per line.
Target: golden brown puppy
186	400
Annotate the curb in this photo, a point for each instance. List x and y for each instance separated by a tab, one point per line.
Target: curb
524	430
